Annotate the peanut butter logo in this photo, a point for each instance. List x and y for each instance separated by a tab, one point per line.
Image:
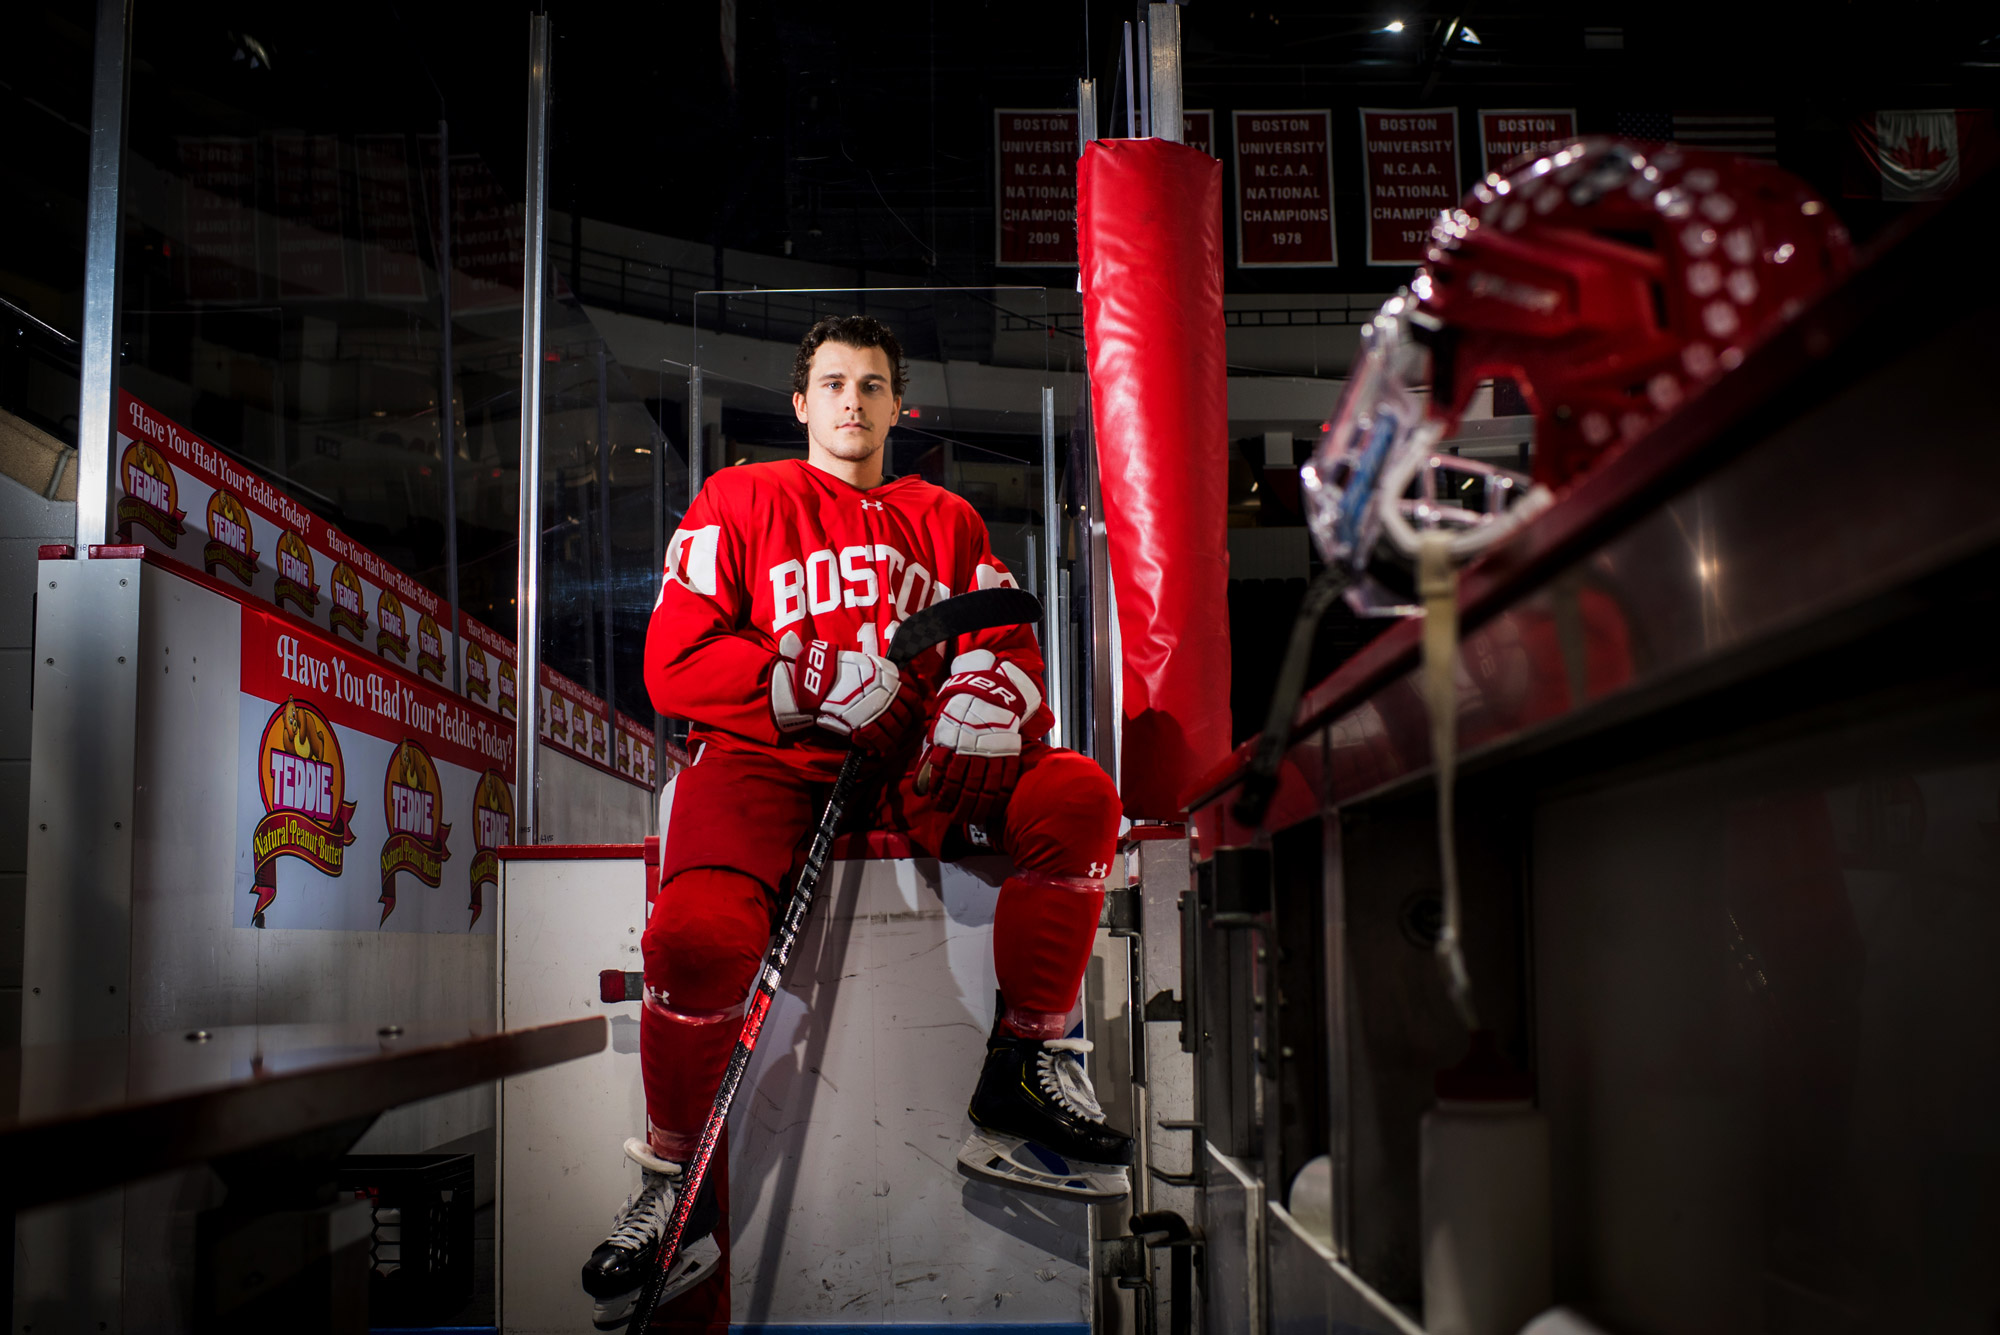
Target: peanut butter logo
413	804
392	635
509	692
493	827
303	783
229	538
348	612
430	648
478	683
150	495
296	581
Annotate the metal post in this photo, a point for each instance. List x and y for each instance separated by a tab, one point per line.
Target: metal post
1052	527
1131	107
697	442
604	531
448	407
104	278
528	584
1145	86
659	458
1164	73
1086	114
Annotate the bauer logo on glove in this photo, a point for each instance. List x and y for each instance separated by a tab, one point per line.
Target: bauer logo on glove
973	753
857	696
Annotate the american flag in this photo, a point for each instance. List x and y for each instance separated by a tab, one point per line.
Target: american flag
1656	126
1750	136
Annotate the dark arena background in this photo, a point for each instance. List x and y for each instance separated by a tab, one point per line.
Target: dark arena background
1507	516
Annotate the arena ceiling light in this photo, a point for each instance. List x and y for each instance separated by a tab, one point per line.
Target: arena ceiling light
1393	25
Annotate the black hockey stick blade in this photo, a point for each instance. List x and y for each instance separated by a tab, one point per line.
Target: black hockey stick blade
962	614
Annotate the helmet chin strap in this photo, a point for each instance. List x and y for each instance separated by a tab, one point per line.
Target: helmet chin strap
1437	584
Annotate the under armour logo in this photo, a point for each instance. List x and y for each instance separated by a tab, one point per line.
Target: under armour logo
874	505
976	834
1100	869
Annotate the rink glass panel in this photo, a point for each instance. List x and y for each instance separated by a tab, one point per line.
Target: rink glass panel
283	301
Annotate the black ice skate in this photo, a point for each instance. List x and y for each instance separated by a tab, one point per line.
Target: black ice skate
618	1268
1036	1123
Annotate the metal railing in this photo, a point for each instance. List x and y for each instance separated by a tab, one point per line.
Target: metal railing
930	325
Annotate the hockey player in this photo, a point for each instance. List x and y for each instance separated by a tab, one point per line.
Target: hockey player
783	585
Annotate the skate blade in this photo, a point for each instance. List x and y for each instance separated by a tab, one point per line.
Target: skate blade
698	1262
1012	1161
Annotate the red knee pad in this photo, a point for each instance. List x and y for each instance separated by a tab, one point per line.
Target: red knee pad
705	937
1043	928
702	946
1062	819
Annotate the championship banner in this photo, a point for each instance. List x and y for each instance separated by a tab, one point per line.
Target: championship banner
488	241
1034	215
219	218
1284	190
312	260
254	537
1198	130
323	727
1506	135
487	235
1410	163
389	265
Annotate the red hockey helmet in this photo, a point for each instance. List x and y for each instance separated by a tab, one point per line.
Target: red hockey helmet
1611	280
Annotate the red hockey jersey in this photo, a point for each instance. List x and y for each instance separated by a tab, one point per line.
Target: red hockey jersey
771	548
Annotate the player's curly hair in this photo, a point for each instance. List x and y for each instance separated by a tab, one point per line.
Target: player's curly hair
856	331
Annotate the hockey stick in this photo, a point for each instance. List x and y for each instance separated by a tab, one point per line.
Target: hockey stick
980	609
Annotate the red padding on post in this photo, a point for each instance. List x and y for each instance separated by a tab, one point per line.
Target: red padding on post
1149	229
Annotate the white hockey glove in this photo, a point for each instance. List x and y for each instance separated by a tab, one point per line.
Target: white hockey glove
858	696
973	754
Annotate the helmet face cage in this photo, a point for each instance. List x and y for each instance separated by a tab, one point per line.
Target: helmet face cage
1377	471
1611	281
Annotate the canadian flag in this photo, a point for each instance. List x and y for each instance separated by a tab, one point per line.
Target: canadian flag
1919	155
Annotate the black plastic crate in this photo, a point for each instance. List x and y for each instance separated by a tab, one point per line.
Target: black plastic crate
420	1257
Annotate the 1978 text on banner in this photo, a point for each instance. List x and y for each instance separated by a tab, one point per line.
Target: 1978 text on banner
1506	135
1284	189
1410	161
1035	165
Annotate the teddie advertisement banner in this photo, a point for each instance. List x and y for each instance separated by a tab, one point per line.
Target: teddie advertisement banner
180	496
366	799
186	500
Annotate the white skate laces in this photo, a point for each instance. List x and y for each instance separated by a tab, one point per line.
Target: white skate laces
642	1220
1064	1079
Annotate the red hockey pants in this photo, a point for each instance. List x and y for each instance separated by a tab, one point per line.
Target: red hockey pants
737	832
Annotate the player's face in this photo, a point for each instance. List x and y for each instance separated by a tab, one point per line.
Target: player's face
848	406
